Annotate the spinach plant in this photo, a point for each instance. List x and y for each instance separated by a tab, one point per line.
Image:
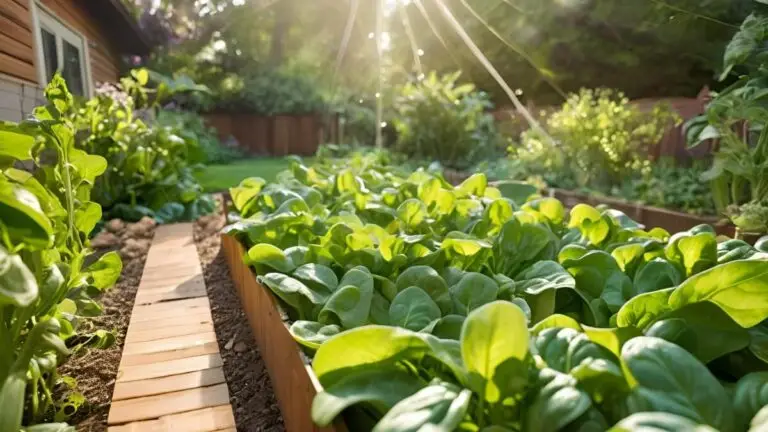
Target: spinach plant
46	285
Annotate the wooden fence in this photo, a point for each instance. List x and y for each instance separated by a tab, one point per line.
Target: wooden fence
278	135
673	144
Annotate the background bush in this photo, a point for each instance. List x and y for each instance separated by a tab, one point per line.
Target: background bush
598	138
438	120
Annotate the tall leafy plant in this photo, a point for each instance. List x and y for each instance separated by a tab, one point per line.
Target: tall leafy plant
46	216
737	118
438	119
598	138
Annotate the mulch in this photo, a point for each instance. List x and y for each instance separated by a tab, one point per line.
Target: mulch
250	388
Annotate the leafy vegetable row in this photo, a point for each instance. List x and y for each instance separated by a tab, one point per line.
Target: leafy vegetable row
353	243
48	276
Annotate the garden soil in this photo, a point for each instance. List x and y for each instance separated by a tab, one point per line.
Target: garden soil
250	389
96	370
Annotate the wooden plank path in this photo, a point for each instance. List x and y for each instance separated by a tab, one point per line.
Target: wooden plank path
170	376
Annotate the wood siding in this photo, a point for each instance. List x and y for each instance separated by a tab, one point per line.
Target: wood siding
17	47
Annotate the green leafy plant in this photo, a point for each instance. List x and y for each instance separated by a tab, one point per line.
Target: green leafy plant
151	166
46	287
437	119
485	305
737	117
597	139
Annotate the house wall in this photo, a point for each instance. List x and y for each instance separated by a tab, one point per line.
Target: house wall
20	90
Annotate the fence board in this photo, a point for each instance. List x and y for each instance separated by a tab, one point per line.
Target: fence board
278	135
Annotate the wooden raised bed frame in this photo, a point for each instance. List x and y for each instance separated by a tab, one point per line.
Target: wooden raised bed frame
293	380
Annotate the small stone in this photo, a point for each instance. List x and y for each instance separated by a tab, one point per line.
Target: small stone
140	229
241	347
229	344
134	248
116	226
105	240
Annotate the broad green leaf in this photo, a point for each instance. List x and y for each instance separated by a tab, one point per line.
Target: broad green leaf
515	190
15	142
473	291
655	275
702	329
380	345
437	407
88	166
346	182
474	185
749	396
270	256
17	283
105	272
611	338
312	334
413	212
317	276
598	276
350	305
243	195
492	334
87	216
737	287
22	217
563	349
551	208
381	387
466	247
594	228
430	281
694	253
674	381
413	309
542	276
429	191
519	245
659	422
556	403
556	321
643	310
296	294
629	257
758	344
449	327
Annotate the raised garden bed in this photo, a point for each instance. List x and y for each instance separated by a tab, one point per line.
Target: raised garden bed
295	384
651	217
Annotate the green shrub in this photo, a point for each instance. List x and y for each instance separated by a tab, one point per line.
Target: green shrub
598	138
671	186
49	278
151	166
190	125
268	93
436	119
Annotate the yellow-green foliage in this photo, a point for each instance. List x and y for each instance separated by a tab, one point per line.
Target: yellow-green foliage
599	136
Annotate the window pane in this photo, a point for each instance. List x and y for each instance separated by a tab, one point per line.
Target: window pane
73	70
49	53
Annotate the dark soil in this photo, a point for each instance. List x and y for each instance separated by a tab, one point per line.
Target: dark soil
250	389
96	370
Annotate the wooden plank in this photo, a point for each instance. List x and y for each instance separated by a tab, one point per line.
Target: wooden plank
16	49
166	332
187	319
15	31
143	359
155	386
217	418
169	344
17	68
17	14
153	407
172	284
172	367
150	313
150	298
291	379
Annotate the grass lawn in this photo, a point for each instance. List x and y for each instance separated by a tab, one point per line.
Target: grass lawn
215	178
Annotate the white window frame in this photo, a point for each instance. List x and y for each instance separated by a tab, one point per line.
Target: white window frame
44	18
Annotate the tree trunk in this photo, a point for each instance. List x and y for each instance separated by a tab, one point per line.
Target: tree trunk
280	32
